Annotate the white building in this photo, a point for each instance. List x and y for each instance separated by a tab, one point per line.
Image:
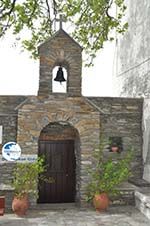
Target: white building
132	66
132	74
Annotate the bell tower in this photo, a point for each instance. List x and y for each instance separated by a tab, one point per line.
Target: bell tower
62	51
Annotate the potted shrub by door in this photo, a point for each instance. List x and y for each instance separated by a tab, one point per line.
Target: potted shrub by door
105	178
26	176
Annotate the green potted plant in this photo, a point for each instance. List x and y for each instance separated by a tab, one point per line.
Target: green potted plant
106	176
25	180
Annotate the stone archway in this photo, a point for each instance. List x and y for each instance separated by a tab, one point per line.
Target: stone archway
59	143
37	114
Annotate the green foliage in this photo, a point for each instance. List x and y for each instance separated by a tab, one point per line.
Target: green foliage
92	21
108	173
26	176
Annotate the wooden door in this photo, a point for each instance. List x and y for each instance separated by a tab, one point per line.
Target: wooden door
60	161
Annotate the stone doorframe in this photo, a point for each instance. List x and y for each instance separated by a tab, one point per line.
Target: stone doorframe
37	114
64	131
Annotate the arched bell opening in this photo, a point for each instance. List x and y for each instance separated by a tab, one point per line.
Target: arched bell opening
59	143
59	79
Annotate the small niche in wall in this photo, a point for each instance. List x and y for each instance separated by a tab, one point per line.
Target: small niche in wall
115	144
59	87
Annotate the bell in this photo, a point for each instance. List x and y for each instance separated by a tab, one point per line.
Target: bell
60	76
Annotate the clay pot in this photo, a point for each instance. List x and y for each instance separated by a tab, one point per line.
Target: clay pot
20	205
114	149
2	205
101	202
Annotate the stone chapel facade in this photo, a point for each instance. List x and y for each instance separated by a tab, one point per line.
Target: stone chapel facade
55	123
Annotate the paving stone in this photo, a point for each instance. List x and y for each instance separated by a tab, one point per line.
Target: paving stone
74	217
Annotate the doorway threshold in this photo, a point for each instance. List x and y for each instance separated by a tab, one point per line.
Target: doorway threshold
54	206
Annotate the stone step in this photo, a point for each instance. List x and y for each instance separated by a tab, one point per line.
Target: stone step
54	206
139	182
126	196
142	201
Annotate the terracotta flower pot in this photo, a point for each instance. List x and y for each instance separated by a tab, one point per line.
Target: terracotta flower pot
20	205
114	149
101	202
2	205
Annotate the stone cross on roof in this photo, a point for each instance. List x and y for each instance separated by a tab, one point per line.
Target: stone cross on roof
61	20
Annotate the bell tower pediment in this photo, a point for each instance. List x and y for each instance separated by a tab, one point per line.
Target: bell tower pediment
60	50
59	34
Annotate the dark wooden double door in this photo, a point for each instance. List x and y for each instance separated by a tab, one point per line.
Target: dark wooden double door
61	164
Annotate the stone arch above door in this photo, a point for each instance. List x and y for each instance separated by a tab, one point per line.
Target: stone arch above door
59	131
33	118
39	112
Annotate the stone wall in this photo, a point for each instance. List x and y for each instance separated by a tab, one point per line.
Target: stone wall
112	117
62	50
8	117
8	121
9	127
132	76
89	117
38	112
6	169
122	117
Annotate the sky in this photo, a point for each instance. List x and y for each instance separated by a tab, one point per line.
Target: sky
19	75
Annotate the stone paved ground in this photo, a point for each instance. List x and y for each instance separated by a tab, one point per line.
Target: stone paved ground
122	216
